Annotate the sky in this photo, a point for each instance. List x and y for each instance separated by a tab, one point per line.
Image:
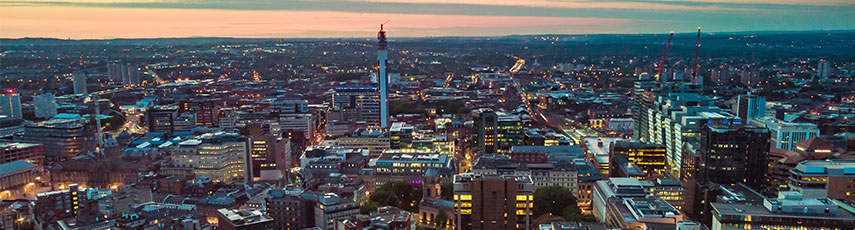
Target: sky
104	19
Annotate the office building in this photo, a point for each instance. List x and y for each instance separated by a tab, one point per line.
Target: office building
624	203
749	107
222	157
161	118
302	122
790	210
79	82
372	140
10	104
823	69
785	135
44	105
834	179
497	132
385	218
206	109
289	209
485	202
270	154
354	104
400	135
404	165
9	127
331	208
557	173
184	122
63	203
649	157
14	151
115	70
62	138
231	219
130	75
733	154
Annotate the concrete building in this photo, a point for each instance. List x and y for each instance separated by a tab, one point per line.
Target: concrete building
10	104
230	219
749	107
331	208
162	118
18	173
289	209
733	154
219	156
790	210
493	202
184	122
14	151
302	122
834	179
401	165
62	138
44	105
79	82
823	69
648	157
785	135
624	203
559	173
497	132
383	77
355	104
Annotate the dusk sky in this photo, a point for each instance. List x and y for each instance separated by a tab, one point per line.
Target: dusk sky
98	19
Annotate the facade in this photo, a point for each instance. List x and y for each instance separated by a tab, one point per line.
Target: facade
785	135
222	157
62	138
397	165
649	157
749	107
79	82
788	211
356	104
14	151
44	105
733	154
229	219
330	208
834	179
624	203
375	144
497	132
18	173
10	104
162	118
289	209
559	173
207	110
302	122
493	202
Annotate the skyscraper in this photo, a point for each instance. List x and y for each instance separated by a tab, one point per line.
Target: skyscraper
130	74
823	69
10	104
733	153
45	105
79	82
749	107
382	57
115	71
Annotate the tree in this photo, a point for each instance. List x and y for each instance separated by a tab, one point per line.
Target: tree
553	200
397	194
547	219
447	191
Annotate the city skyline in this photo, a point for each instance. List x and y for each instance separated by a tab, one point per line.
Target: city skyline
104	19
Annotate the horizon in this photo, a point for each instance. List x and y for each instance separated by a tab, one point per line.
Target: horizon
140	19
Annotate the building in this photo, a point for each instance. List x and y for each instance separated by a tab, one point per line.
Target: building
9	127
79	82
302	122
222	157
382	59
834	179
63	203
624	203
207	109
823	69
270	154
161	118
62	138
184	122
649	157
289	209
493	202
558	173
400	135
385	218
353	104
44	105
230	219
785	135
372	140
330	208
790	210
18	173
10	104
496	132
733	154
749	107
131	75
401	165
14	151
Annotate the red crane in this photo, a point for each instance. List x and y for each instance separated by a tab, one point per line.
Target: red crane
695	63
668	46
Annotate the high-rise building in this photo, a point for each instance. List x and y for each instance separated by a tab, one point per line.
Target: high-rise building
834	179
222	157
733	154
648	157
130	75
270	153
382	59
79	82
44	105
823	69
353	104
62	138
785	135
10	104
493	201
749	107
497	132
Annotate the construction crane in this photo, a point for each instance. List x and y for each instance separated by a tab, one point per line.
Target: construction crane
695	63
662	65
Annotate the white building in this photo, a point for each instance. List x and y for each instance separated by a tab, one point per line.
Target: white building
298	122
785	135
45	105
219	156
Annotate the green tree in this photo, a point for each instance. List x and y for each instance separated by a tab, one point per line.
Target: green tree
547	219
397	194
553	200
447	191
